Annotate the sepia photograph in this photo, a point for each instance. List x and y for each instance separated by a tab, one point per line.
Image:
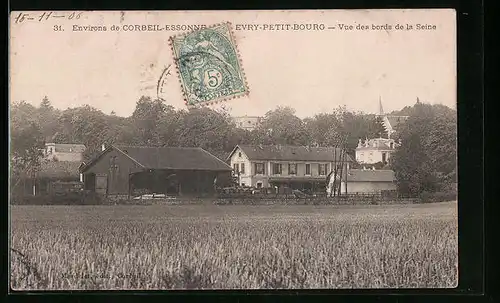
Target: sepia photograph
223	150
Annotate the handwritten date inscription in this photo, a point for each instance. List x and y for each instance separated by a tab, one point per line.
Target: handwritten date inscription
44	16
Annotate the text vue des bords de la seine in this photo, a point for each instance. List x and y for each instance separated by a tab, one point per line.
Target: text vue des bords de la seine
257	27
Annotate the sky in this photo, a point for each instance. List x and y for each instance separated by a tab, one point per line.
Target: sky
311	71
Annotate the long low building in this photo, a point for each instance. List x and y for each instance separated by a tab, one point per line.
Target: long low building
122	170
369	181
292	167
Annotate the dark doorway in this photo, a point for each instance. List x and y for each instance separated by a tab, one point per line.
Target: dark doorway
172	183
101	184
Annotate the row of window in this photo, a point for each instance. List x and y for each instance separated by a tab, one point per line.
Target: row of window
385	156
277	169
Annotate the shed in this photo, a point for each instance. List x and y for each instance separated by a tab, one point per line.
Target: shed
48	173
370	181
127	170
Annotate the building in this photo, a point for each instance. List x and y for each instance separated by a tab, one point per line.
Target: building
294	167
59	165
375	150
369	181
126	170
391	122
64	152
50	173
247	122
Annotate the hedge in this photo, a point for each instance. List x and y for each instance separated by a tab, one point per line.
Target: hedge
61	199
442	196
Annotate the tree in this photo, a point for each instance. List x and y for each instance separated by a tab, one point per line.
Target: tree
146	119
426	160
45	105
26	147
377	128
48	119
441	144
281	126
85	125
322	128
205	128
355	126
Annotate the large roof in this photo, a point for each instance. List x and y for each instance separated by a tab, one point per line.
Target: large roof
360	175
292	153
378	144
181	158
396	121
58	170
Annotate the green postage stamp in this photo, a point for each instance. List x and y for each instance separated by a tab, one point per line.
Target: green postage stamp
209	65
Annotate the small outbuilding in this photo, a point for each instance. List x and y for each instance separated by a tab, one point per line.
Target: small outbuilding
128	170
370	181
50	176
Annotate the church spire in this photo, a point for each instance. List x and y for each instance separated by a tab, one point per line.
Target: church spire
380	108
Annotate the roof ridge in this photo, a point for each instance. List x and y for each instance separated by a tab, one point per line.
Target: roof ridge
124	153
153	147
213	156
285	145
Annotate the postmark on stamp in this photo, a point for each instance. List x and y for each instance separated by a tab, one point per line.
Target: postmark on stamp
209	65
160	88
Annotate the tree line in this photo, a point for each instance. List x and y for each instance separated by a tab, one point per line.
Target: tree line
428	137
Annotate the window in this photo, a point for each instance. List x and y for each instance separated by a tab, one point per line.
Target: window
243	184
259	184
322	169
308	169
259	168
292	169
239	155
277	169
236	168
242	168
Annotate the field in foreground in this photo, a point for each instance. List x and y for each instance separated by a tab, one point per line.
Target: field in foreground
221	247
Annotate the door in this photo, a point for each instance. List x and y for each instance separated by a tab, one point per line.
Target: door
101	184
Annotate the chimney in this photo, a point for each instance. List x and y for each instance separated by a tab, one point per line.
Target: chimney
103	147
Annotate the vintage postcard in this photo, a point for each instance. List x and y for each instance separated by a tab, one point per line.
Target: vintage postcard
165	150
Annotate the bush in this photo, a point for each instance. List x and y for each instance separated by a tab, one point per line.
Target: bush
441	196
59	199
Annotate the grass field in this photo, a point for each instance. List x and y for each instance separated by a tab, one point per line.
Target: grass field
221	247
